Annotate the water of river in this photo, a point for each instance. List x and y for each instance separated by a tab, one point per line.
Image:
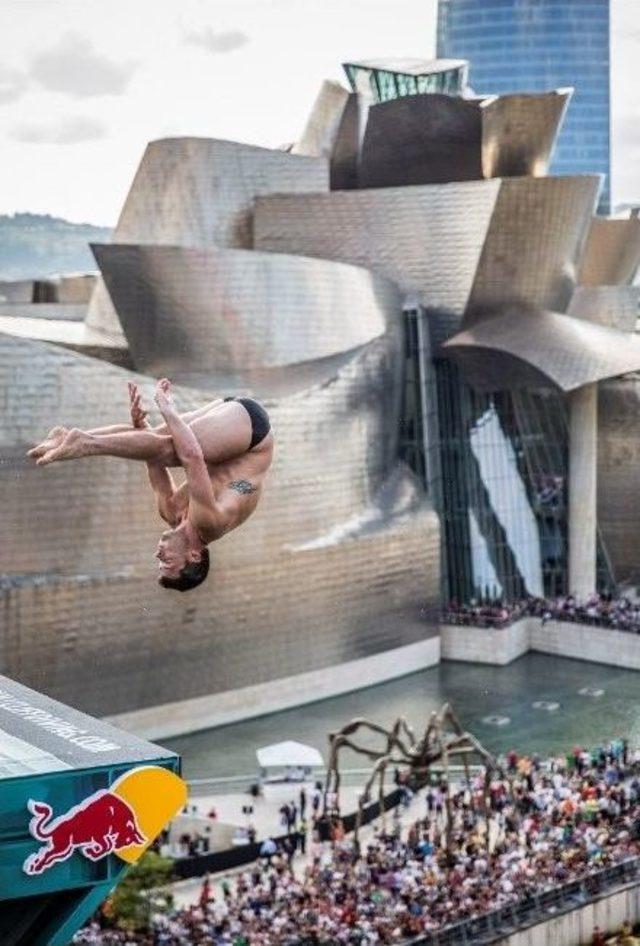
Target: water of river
581	703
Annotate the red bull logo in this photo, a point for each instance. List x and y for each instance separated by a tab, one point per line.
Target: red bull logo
121	820
100	825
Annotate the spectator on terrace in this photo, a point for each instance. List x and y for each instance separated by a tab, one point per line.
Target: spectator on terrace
599	609
303	802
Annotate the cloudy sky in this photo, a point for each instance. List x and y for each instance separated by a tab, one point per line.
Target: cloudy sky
84	84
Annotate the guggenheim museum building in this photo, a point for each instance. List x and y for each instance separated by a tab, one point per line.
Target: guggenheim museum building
444	336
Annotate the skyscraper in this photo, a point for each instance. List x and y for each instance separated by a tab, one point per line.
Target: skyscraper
535	45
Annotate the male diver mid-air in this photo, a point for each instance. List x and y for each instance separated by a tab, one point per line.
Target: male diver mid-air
225	448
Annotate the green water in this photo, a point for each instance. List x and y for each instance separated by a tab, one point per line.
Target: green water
474	691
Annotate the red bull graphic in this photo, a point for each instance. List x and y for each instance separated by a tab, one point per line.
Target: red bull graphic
122	820
100	825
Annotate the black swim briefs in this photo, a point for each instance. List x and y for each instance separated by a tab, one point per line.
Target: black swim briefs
260	424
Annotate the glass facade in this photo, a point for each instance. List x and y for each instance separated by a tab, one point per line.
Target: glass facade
418	415
503	492
384	85
496	466
538	45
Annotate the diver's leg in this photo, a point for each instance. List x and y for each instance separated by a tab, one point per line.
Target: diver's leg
133	444
188	417
224	433
57	434
113	429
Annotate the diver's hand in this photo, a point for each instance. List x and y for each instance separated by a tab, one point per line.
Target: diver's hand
164	397
138	413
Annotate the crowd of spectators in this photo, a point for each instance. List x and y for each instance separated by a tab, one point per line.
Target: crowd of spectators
601	610
543	824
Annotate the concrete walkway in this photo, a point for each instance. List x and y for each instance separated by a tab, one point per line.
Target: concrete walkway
266	809
266	821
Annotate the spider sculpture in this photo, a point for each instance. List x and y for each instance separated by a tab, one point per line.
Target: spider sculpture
444	740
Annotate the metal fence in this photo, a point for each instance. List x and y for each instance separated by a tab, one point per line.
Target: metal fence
463	619
238	784
533	909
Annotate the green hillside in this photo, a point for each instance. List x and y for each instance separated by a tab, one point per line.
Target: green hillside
38	245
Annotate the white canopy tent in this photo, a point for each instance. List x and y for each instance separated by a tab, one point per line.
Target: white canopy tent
289	755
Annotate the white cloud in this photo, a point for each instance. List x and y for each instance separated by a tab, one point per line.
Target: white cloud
628	130
13	84
222	42
67	131
74	67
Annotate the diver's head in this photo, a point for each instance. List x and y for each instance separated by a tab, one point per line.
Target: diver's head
183	560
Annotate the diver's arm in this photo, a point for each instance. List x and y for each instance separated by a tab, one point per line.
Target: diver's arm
160	478
139	414
162	484
190	416
185	442
205	512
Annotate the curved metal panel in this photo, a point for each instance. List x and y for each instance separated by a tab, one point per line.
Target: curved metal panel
195	311
616	306
430	139
566	351
612	252
427	239
519	132
421	139
533	247
346	150
320	133
199	192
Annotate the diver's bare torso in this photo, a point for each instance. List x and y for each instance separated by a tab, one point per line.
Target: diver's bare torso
237	484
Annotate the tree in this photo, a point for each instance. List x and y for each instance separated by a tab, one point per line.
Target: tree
142	893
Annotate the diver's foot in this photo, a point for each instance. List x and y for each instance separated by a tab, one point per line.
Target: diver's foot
53	439
71	447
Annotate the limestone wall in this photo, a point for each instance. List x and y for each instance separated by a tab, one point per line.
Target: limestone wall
501	646
484	645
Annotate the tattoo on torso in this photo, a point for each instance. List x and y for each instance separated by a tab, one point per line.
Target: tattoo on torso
243	486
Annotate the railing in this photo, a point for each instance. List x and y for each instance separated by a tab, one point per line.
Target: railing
217	861
242	783
532	910
487	621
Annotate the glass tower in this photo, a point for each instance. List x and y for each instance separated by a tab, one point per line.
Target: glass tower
538	45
